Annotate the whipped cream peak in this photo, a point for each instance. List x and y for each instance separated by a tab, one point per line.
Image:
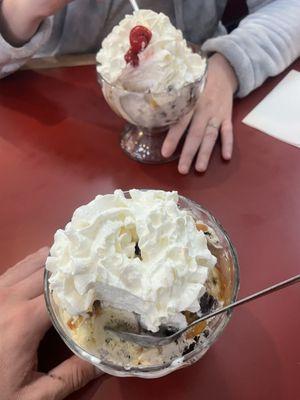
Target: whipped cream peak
167	62
139	254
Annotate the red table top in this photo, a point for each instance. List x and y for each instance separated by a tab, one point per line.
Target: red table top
59	147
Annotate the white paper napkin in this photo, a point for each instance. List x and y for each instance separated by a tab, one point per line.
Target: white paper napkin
278	115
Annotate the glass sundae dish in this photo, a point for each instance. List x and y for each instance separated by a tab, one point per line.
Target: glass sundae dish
143	261
151	78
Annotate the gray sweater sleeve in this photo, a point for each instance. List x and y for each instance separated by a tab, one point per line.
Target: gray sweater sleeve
11	58
264	44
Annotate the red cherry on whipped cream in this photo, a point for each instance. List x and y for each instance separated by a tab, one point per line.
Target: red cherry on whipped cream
139	38
131	58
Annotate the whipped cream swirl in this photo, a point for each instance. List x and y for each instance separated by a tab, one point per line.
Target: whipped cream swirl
166	63
141	254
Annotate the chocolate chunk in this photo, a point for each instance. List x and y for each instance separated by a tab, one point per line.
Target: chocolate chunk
206	333
207	302
137	250
189	348
167	330
208	234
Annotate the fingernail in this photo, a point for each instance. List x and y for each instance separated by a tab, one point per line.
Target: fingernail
201	168
183	169
165	153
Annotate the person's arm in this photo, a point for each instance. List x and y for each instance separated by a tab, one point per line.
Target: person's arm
265	43
23	322
12	58
24	27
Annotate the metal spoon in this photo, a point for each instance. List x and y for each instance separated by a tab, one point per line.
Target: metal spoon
134	5
156	340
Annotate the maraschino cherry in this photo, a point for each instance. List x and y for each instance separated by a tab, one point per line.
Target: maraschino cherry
139	38
131	58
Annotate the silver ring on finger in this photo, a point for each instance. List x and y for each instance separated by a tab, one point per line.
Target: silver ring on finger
212	123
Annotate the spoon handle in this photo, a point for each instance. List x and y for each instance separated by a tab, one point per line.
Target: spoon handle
150	340
247	299
134	5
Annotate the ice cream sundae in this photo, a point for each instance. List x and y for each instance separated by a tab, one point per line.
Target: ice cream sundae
149	76
136	261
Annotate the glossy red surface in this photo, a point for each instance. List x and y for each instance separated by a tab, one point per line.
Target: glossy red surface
59	148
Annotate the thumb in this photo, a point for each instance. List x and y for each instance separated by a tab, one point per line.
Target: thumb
66	378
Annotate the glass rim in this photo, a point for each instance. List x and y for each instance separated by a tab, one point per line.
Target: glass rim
135	371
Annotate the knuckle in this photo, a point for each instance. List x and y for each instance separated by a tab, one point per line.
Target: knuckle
188	155
77	378
229	143
197	135
7	293
227	130
227	123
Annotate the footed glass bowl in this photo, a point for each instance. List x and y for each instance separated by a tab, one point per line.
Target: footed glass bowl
150	116
228	270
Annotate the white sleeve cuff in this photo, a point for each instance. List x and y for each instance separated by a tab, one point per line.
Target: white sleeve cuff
239	60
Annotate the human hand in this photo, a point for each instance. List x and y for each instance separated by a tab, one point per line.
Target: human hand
23	323
20	19
211	116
